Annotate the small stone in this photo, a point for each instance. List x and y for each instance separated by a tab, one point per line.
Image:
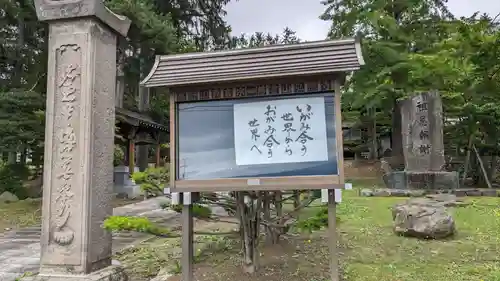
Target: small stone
460	193
474	193
7	197
399	193
366	192
416	193
423	202
489	192
122	195
380	192
448	200
442	197
29	199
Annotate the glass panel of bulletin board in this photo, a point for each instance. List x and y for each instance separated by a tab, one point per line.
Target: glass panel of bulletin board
262	137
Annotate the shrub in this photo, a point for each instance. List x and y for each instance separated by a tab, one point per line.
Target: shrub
152	180
316	222
118	156
199	211
120	223
12	177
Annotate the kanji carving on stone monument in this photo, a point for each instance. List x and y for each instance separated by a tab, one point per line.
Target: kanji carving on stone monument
67	92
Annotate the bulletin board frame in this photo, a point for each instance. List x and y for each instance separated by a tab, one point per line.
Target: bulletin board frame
250	90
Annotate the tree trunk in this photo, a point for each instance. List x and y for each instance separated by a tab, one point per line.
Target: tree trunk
493	168
24	153
373	133
270	233
467	158
396	136
249	215
296	198
278	197
12	157
483	170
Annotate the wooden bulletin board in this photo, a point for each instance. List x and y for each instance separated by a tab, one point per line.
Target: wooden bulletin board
266	118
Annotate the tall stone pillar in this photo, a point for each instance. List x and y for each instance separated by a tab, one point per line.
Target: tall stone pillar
79	139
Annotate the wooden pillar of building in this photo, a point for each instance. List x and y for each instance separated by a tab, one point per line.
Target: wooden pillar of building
143	149
158	155
131	156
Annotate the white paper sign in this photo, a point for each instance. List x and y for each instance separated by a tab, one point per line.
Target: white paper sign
280	131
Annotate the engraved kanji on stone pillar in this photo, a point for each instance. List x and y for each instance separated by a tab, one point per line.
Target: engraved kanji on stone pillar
423	132
67	90
79	139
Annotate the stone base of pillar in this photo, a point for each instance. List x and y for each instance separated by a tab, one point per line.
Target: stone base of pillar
427	180
110	273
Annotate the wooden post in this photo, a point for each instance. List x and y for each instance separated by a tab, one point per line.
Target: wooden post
158	155
332	235
332	206
131	156
187	243
339	137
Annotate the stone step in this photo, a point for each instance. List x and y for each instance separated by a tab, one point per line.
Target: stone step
34	227
133	235
25	230
20	241
15	245
20	269
23	235
8	276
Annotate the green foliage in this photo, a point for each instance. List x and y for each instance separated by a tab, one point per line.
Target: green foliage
317	222
418	46
24	275
12	177
391	32
199	211
118	156
260	39
152	180
137	224
21	121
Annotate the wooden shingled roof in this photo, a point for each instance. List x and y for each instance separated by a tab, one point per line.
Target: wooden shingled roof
137	119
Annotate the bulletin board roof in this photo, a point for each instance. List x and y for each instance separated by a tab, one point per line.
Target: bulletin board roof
310	58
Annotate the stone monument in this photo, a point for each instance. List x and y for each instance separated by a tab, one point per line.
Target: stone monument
423	148
79	139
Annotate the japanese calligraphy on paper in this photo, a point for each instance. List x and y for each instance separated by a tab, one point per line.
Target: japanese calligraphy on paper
280	131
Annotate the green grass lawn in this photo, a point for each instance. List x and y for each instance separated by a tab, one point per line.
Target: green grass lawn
19	214
374	252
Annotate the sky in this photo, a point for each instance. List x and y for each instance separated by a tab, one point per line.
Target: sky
249	16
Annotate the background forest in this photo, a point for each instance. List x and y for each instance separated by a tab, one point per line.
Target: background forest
408	46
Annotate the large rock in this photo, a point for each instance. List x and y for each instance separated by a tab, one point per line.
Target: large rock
423	218
7	197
